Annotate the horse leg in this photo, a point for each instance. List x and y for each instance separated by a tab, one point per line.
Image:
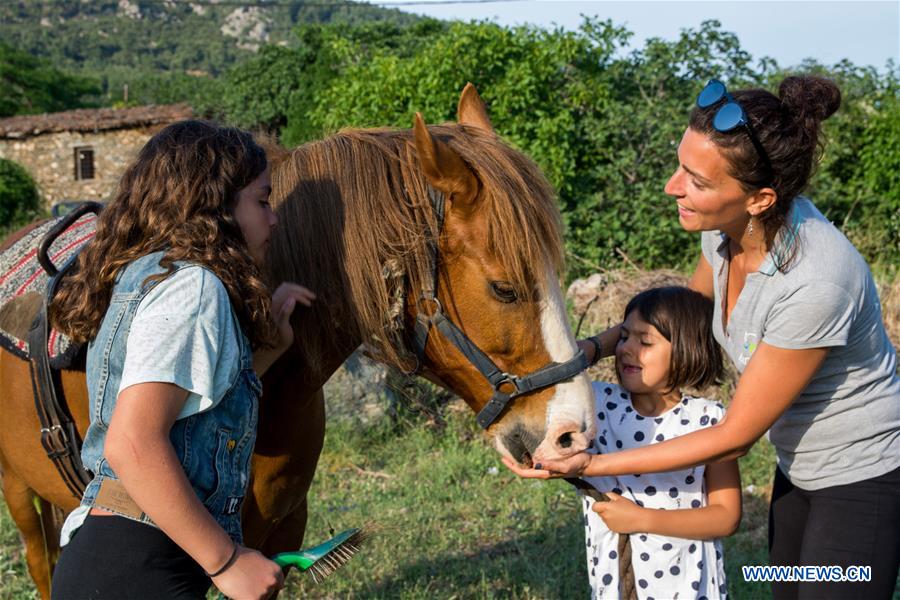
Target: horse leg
289	531
30	481
291	435
34	517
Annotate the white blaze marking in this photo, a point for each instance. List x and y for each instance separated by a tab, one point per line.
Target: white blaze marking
573	400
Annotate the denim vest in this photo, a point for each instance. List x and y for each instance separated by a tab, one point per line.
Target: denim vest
214	447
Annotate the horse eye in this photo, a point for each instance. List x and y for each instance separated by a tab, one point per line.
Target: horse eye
504	291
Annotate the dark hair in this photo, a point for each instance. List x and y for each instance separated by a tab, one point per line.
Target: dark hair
788	127
178	195
684	318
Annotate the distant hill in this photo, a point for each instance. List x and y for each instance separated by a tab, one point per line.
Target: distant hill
152	44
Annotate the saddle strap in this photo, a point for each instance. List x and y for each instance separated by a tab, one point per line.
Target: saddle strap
59	437
58	434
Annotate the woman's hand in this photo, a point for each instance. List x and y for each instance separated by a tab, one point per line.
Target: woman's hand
606	340
285	298
571	466
251	576
620	514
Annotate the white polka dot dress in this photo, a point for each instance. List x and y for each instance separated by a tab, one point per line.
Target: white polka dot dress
664	567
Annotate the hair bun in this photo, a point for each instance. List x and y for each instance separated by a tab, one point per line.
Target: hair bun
809	96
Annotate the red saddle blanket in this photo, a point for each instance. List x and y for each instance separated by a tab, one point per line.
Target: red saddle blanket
23	284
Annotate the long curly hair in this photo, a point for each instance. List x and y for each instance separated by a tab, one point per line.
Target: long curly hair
177	196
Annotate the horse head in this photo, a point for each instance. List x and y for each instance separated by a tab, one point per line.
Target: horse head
439	249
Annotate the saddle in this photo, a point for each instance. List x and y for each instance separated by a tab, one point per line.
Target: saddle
28	282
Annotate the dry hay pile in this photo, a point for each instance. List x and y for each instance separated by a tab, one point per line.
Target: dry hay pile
889	293
602	297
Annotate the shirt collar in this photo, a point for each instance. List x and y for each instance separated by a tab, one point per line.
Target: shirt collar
780	249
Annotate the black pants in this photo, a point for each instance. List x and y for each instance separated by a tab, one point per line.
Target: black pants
846	525
116	558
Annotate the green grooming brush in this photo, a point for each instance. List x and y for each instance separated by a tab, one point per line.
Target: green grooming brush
326	558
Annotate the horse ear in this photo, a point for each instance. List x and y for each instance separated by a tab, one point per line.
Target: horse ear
471	110
443	167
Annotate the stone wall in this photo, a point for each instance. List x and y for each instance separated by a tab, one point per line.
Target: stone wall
50	159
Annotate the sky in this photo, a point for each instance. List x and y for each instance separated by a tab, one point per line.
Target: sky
866	32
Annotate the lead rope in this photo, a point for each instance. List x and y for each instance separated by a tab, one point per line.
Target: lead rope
626	570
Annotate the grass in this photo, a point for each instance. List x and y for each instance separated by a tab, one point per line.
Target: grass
455	523
458	525
15	582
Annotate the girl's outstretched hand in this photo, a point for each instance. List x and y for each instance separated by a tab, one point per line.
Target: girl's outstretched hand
285	298
571	466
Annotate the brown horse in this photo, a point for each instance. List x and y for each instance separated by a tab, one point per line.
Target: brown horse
358	224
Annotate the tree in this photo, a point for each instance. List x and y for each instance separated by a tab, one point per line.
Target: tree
279	89
602	126
857	184
19	198
31	85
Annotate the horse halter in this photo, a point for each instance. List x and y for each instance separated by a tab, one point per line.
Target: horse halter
546	376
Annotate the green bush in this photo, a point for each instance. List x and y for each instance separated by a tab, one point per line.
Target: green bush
19	198
878	186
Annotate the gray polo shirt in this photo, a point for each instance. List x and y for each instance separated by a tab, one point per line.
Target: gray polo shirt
845	425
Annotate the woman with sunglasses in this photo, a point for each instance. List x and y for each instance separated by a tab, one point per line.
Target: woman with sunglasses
797	312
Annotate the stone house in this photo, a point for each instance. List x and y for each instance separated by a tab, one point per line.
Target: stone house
80	154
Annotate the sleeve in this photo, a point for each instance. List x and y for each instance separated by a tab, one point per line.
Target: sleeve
815	315
711	412
183	333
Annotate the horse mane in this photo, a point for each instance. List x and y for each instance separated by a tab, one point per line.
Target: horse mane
355	223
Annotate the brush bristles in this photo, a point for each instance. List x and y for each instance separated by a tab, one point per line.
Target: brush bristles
340	555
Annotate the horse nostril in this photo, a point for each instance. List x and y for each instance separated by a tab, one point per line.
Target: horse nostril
565	440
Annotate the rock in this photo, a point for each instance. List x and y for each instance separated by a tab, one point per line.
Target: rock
358	390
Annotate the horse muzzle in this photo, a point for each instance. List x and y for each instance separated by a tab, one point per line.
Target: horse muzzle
565	439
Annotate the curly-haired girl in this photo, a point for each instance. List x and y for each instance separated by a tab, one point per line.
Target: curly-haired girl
171	297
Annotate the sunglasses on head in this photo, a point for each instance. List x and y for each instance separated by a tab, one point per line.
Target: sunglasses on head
730	115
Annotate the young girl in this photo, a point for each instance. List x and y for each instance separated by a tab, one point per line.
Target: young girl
171	296
675	517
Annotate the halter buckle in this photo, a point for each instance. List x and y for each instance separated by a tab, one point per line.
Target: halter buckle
423	301
507	378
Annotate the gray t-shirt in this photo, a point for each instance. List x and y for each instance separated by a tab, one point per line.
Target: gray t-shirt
845	425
